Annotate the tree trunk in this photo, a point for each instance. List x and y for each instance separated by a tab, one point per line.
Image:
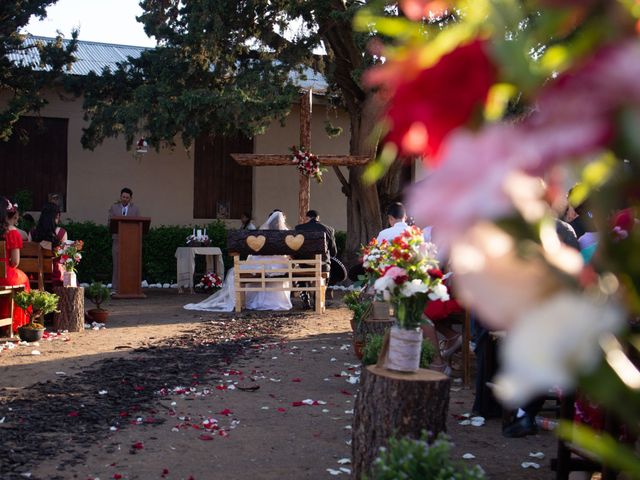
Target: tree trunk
395	404
71	306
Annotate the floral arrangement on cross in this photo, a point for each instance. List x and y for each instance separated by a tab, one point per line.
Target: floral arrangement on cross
307	163
69	254
405	272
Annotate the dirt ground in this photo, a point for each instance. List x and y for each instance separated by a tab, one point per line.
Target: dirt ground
163	392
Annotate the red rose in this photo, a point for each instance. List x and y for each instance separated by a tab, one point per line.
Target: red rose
435	273
427	107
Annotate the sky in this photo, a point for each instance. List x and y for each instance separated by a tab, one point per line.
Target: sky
108	21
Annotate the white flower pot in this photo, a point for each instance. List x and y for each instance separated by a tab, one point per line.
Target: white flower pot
69	279
405	347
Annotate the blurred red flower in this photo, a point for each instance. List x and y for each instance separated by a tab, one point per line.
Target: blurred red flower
424	109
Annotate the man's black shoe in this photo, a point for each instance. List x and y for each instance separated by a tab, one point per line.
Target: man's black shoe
520	427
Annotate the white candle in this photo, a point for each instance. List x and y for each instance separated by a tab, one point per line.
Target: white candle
205	232
194	232
199	233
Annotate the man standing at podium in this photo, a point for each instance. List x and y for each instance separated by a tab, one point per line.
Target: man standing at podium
123	208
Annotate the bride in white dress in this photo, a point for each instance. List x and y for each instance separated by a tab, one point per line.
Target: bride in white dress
224	300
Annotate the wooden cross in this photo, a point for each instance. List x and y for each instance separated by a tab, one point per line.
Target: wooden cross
254	160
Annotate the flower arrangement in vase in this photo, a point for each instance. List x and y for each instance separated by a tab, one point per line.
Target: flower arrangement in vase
69	254
209	283
307	163
37	304
405	272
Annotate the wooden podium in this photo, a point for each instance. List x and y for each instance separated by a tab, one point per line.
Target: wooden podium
129	231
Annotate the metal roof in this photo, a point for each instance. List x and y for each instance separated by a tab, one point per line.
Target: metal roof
95	56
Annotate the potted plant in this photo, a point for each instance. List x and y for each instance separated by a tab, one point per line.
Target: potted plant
355	301
37	304
70	256
98	294
406	274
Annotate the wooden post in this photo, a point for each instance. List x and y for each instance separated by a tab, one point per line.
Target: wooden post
305	143
71	306
395	404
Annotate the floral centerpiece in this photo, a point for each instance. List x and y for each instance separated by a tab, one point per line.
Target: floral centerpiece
405	272
307	163
36	303
209	283
69	254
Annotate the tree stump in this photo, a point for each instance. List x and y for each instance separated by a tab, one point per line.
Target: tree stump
71	306
369	326
395	404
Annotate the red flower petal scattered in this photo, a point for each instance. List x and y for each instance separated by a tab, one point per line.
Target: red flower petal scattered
280	409
138	446
296	380
226	412
206	437
138	388
297	404
117	476
346	392
73	414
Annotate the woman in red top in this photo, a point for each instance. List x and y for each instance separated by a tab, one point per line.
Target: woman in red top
13	242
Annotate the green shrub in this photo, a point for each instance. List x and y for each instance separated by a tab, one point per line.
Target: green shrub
158	250
355	301
96	251
373	345
406	458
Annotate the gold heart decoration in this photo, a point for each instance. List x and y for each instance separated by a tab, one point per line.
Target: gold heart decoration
255	243
294	242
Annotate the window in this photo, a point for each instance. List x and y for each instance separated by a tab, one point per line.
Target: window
35	159
222	188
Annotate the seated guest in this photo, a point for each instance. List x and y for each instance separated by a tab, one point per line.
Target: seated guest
397	218
246	222
50	235
13	276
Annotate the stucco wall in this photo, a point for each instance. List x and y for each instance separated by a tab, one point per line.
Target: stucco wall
163	182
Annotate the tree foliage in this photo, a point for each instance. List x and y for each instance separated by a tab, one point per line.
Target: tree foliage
23	81
227	65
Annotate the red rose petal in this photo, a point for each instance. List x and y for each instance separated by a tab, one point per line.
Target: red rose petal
296	380
297	404
117	476
73	414
226	412
205	437
138	446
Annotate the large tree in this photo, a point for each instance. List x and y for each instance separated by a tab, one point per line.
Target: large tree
23	76
224	65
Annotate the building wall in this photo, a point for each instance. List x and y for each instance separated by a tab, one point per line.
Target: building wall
162	182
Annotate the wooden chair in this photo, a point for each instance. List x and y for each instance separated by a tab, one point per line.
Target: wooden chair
309	252
37	263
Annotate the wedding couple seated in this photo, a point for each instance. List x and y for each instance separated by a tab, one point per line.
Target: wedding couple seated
224	300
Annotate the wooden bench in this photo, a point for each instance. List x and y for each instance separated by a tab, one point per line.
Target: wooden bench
307	252
37	263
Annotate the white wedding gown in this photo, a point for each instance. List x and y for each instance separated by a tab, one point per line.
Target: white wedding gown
224	300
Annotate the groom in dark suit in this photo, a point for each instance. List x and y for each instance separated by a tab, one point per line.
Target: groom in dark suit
313	225
123	208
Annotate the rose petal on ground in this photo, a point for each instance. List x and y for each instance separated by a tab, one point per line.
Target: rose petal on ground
345	470
102	392
530	465
280	409
297	404
477	421
296	380
35	352
138	445
74	413
205	437
334	472
226	412
344	461
468	456
538	455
